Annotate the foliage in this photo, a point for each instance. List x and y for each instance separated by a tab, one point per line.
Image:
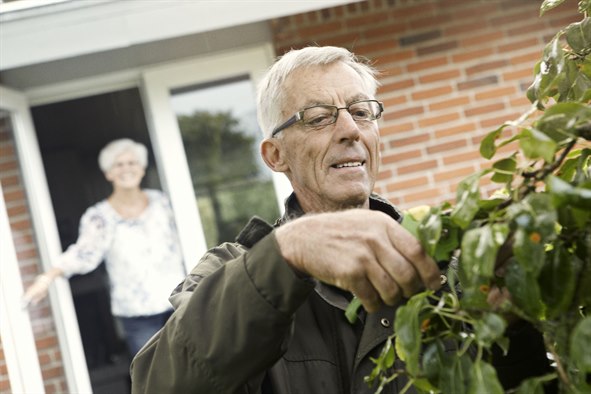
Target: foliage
226	174
532	238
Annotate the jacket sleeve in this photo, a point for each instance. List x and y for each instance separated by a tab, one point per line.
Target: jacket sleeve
232	321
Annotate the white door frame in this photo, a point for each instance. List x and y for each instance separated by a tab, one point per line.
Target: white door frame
157	83
46	234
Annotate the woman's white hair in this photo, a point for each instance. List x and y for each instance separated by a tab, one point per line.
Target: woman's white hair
113	149
271	92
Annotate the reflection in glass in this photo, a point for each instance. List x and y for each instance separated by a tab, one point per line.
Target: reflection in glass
221	138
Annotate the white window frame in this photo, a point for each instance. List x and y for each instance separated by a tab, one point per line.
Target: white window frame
16	327
157	83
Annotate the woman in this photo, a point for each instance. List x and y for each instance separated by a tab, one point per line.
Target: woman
133	231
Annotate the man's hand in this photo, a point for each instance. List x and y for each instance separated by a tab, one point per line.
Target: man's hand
362	251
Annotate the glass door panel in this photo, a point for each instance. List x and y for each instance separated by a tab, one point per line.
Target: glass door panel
221	139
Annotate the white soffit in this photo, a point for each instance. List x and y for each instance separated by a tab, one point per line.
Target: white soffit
66	29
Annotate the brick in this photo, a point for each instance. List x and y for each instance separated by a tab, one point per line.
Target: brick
398	85
390	30
395	57
393	102
497	121
403	13
375	47
440	119
408	184
417	167
401	156
415	139
484	109
495	93
481	39
519	74
430	93
384	174
458	29
520	102
396	128
463	157
450	102
530	58
486	66
441	47
428	194
395	115
453	174
455	130
420	37
426	64
447	146
517	45
439	76
369	19
474	83
430	20
325	28
466	55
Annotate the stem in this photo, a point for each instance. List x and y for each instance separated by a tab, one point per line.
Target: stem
548	169
559	367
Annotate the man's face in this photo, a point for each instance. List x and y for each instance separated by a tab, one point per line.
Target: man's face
335	167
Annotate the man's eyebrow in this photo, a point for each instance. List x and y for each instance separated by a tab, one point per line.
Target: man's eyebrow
356	97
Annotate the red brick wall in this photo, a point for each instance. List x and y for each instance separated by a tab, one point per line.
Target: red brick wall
453	70
28	259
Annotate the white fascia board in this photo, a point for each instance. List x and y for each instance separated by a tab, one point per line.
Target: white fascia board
95	26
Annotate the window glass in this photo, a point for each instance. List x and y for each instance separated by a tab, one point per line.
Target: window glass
221	140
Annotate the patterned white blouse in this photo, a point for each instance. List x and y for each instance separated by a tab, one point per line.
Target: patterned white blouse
142	255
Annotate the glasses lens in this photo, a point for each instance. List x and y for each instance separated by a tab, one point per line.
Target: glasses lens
319	116
365	110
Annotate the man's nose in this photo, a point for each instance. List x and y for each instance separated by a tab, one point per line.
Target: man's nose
346	127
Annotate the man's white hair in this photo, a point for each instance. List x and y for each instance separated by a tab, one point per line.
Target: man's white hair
271	93
113	149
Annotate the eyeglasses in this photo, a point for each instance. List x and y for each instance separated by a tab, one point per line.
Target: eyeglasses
319	116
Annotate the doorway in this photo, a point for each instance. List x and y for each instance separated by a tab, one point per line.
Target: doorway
70	135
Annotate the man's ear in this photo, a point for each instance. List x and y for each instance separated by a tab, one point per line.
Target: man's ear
273	155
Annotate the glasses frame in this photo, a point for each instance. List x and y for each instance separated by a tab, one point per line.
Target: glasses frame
299	116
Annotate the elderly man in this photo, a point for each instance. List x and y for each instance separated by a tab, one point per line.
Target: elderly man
266	313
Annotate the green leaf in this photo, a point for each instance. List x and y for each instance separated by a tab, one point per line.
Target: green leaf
535	385
560	121
564	194
489	329
547	5
408	333
352	308
467	198
455	373
529	250
429	231
487	146
524	289
449	240
479	251
483	379
411	225
557	278
580	345
536	144
578	35
504	170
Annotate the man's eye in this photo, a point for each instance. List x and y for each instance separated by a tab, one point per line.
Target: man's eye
360	113
319	119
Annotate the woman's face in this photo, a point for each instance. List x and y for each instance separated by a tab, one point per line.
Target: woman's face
126	172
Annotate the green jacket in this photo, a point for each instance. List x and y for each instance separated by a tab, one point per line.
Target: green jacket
245	323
